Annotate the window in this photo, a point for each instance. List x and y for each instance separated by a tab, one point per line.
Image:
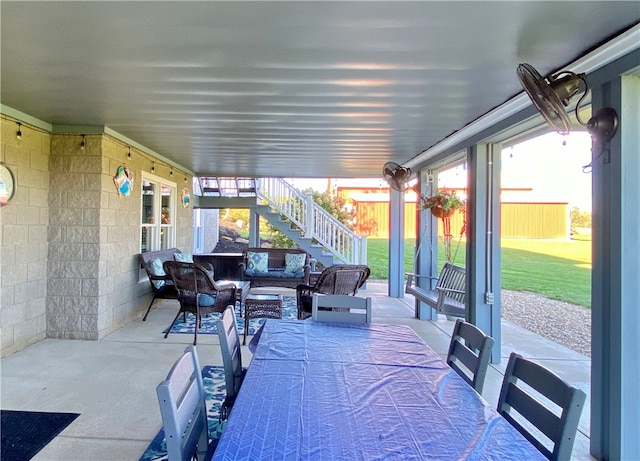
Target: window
157	229
198	232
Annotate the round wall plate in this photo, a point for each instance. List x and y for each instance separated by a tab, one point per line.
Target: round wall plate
7	185
185	197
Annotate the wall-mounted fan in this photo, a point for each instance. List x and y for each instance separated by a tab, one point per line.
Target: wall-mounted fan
396	175
552	94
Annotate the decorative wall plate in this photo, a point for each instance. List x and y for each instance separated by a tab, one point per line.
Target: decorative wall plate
123	181
185	197
7	184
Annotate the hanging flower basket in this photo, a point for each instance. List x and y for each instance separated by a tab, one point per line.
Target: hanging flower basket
441	212
443	203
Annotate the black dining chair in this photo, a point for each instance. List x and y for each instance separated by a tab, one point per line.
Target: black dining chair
469	353
525	386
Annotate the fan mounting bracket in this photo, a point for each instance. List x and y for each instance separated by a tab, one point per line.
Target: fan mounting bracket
603	125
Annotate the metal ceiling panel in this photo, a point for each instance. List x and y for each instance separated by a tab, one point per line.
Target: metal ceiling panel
288	89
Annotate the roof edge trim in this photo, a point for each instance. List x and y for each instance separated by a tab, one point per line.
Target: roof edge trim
616	48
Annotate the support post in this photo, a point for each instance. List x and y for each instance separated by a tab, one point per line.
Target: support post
309	225
254	229
483	242
396	243
615	289
426	260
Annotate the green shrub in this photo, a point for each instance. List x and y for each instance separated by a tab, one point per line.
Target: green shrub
579	219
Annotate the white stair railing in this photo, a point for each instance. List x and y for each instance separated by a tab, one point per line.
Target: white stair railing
283	197
313	220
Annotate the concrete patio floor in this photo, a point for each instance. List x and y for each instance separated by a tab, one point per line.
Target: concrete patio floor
111	382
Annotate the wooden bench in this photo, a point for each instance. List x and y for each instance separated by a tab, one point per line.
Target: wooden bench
449	294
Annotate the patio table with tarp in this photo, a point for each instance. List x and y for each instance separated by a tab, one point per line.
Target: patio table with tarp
360	392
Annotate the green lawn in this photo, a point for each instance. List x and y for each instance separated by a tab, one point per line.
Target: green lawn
557	269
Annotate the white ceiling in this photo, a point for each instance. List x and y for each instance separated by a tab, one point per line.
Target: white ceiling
288	89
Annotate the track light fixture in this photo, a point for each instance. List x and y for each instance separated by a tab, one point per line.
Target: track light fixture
82	144
153	167
171	172
19	132
552	94
129	154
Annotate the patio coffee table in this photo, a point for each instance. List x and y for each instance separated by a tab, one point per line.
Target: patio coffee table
261	306
242	290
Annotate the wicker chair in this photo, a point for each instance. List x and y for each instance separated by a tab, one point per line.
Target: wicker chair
161	284
198	293
339	279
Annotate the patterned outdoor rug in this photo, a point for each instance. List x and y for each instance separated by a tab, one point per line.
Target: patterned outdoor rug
215	392
289	311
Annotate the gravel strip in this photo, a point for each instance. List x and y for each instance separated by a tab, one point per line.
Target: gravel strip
564	323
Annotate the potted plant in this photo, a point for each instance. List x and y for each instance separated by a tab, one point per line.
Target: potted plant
443	203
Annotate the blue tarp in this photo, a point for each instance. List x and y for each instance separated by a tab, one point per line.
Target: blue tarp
320	391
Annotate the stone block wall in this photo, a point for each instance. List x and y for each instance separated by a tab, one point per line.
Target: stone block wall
75	201
98	286
69	262
119	246
23	237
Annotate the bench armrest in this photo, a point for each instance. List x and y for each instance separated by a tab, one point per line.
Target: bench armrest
412	280
305	289
223	286
207	266
224	293
450	290
411	275
157	277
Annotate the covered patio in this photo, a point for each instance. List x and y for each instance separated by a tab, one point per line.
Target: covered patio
165	92
111	382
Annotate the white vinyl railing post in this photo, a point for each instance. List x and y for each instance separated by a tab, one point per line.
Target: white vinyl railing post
313	220
363	249
309	224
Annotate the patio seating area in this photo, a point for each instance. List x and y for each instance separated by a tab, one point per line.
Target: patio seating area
111	383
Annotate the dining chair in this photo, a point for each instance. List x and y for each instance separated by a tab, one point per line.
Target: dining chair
339	279
182	407
231	358
469	353
341	308
198	293
525	386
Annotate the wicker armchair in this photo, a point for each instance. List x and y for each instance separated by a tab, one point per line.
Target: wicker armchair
339	279
161	284
198	293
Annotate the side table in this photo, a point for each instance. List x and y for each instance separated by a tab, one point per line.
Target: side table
261	306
